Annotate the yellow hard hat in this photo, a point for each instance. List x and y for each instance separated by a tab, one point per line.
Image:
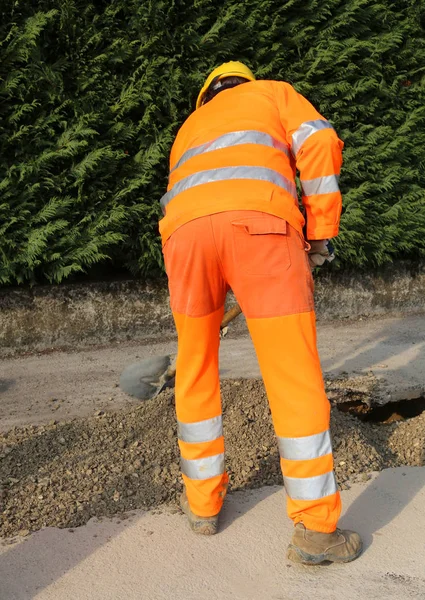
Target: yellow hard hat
229	69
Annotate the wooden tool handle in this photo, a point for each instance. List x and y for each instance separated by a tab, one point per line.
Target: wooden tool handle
231	314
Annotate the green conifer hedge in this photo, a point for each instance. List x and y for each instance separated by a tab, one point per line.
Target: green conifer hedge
92	93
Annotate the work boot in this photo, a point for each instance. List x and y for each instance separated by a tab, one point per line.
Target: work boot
202	525
313	547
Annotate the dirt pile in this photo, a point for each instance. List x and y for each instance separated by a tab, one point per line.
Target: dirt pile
62	474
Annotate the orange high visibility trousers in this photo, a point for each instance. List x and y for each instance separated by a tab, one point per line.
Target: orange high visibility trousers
263	260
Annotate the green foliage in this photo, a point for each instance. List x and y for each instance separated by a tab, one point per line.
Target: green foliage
92	94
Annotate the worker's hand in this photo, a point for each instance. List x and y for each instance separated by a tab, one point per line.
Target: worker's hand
319	253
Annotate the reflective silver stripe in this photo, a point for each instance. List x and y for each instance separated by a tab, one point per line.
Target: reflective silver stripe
320	185
305	130
203	431
310	488
305	448
226	173
235	138
203	468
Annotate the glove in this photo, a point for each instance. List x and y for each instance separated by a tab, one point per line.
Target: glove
320	252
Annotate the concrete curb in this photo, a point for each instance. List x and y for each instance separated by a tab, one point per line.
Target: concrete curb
82	315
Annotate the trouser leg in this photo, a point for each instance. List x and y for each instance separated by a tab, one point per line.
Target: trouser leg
198	408
286	350
197	294
266	265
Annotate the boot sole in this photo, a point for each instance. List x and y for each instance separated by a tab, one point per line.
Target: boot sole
299	556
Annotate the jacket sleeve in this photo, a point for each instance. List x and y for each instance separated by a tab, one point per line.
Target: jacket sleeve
317	151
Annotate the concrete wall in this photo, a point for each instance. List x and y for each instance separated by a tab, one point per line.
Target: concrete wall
80	315
399	290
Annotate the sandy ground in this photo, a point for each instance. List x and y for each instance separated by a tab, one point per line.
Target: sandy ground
156	557
61	385
64	474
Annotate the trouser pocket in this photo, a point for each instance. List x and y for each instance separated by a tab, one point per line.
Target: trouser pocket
261	245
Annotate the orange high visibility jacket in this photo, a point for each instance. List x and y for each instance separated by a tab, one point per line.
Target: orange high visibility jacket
242	150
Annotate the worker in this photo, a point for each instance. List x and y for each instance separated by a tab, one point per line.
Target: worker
232	221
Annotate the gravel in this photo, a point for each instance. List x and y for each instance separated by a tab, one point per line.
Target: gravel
64	473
